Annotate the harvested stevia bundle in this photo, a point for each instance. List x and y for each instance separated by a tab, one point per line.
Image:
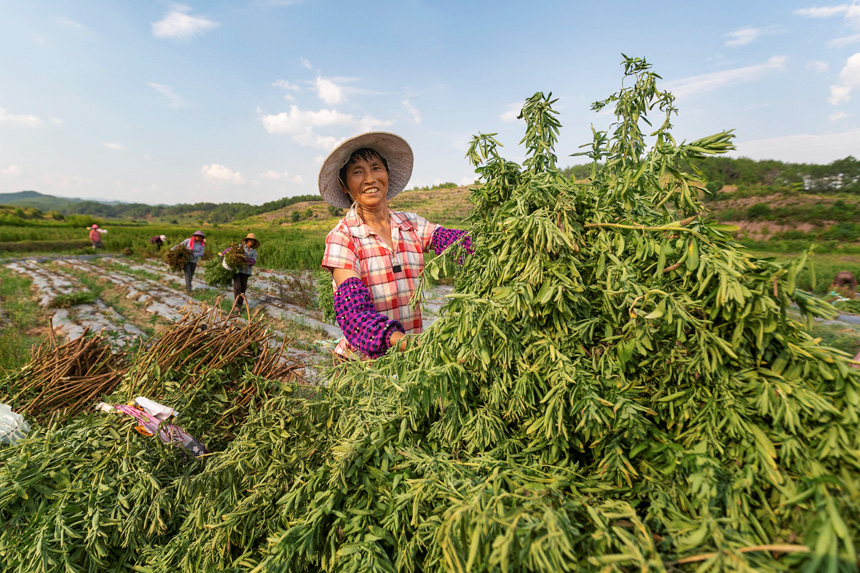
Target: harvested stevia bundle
615	385
177	257
234	257
215	273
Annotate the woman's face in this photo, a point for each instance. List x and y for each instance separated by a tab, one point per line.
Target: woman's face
367	182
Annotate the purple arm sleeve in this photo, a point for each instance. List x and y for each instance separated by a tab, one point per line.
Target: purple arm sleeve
362	325
444	238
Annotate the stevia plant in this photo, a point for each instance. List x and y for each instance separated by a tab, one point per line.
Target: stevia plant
177	257
93	494
615	385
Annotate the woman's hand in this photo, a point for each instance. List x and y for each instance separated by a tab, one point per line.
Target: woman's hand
399	340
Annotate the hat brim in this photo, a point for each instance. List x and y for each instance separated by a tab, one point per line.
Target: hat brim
392	147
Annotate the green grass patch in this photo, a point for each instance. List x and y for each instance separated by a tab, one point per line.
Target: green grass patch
820	269
73	299
20	317
844	337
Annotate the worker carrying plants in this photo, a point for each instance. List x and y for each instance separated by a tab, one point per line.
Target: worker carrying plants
240	280
96	236
158	241
376	255
197	245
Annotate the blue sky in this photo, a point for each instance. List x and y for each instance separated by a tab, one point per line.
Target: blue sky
161	102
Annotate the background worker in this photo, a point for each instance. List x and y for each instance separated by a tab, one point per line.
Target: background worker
240	280
96	236
197	245
158	241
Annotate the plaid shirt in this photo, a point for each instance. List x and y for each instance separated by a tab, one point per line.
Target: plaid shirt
353	245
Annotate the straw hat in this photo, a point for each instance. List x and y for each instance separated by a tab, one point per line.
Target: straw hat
392	147
200	233
252	237
162	237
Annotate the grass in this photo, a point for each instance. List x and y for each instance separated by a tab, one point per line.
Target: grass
844	337
20	321
114	298
820	269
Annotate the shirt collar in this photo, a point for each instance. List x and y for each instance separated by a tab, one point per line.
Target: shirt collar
360	229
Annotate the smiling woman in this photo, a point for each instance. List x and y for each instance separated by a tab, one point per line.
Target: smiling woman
376	255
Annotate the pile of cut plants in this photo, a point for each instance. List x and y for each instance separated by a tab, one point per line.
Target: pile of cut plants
177	257
219	271
86	491
616	385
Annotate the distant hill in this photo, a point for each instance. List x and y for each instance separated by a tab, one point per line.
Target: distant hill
36	199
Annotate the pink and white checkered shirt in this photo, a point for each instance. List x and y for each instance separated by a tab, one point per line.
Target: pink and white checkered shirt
353	245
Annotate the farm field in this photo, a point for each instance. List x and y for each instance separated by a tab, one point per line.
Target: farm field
614	384
130	299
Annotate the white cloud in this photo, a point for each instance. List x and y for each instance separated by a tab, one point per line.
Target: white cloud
69	23
849	80
823	11
328	91
843	41
839	116
175	101
11	170
818	66
178	24
276	3
303	126
296	120
802	148
288	88
306	63
511	112
55	120
115	146
852	16
743	36
715	80
281	176
851	12
24	120
220	174
416	115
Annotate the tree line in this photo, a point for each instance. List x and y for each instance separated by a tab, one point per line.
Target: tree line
842	175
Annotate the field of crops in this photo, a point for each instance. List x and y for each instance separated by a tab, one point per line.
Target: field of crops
614	385
285	247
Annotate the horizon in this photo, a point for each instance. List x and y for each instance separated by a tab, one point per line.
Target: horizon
164	103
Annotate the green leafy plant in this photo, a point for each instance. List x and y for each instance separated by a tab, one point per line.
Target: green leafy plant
325	295
215	274
177	257
73	299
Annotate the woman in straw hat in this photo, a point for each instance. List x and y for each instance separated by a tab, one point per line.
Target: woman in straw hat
375	255
240	280
196	243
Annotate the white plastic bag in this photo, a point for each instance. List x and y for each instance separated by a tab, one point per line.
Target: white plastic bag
13	427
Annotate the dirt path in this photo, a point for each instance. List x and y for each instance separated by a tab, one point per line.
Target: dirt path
138	295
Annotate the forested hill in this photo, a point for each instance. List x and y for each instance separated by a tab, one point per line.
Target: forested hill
721	173
842	175
35	202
